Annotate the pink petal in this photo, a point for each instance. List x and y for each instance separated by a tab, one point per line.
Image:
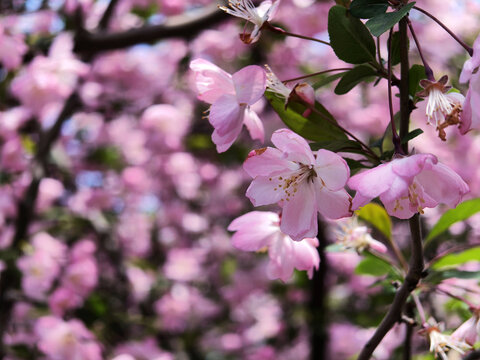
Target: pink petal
333	204
281	254
332	169
299	216
412	165
373	182
400	209
225	113
254	125
261	192
306	255
211	81
443	185
359	200
268	163
466	115
398	189
254	230
295	147
250	83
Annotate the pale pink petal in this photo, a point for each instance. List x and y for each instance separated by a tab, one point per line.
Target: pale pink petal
225	113
466	115
306	255
400	208
223	142
261	192
299	216
359	200
467	331
377	246
472	63
373	182
333	204
268	163
254	230
281	254
254	125
250	83
294	147
410	166
443	185
211	81
398	188
332	169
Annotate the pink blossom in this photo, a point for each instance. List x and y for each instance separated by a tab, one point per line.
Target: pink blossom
66	340
258	230
303	183
407	185
49	191
468	332
63	299
471	64
231	97
12	48
470	117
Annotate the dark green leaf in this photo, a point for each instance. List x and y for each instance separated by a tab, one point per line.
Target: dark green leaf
354	77
108	156
373	266
350	39
462	212
315	127
396	48
327	80
338	146
384	22
412	135
436	277
365	9
415	74
378	217
460	258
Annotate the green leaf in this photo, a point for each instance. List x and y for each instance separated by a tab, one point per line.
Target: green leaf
415	74
453	260
462	212
350	39
108	156
338	146
412	135
436	277
373	266
353	77
315	127
396	48
327	80
378	217
365	9
383	22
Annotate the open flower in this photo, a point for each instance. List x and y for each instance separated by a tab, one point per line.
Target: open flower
443	108
258	230
409	184
231	97
257	16
301	182
441	343
350	235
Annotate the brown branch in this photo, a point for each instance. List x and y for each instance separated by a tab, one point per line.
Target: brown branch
412	279
181	26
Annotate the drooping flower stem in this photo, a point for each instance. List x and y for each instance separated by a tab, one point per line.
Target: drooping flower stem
421	311
277	30
411	280
315	74
428	69
395	137
453	296
450	32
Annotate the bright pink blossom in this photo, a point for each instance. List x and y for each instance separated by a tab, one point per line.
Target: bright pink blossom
12	48
231	97
258	230
407	185
468	332
303	183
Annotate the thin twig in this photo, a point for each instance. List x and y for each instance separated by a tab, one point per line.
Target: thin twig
450	32
395	137
428	69
277	30
315	74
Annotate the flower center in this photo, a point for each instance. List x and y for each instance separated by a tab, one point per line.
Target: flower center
289	185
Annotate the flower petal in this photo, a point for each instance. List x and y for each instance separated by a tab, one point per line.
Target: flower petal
261	192
254	230
332	169
371	183
268	162
254	125
294	147
211	81
250	83
333	204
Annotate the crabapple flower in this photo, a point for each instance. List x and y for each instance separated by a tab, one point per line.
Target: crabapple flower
259	230
471	64
230	97
303	183
468	332
441	343
470	118
443	108
12	48
409	184
245	9
301	91
350	235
